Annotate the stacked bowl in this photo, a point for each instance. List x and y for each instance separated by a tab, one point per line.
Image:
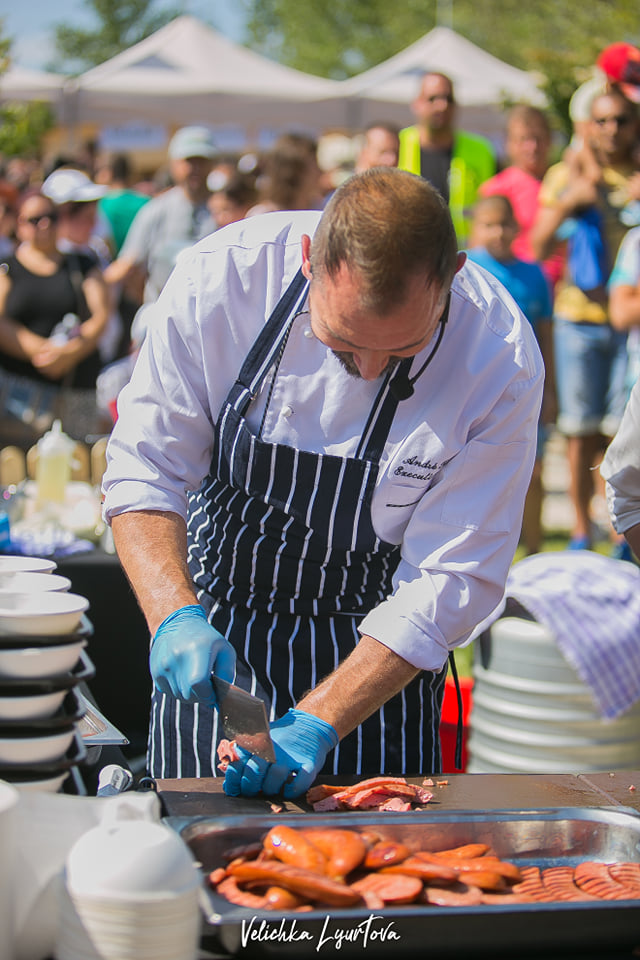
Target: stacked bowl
43	635
131	892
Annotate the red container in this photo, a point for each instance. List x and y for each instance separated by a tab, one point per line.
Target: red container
449	723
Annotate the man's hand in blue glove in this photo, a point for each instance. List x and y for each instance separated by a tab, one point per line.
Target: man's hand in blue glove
185	651
301	742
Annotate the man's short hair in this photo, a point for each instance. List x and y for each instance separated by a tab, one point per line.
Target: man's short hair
386	225
528	115
385	125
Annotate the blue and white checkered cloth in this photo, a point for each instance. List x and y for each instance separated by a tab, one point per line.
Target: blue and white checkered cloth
591	606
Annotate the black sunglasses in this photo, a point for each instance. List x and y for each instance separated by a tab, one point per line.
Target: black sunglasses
621	120
35	221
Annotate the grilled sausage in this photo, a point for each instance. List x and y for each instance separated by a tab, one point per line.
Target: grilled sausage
596	879
279	898
290	846
344	850
314	886
457	895
243	898
467	851
397	888
384	854
415	867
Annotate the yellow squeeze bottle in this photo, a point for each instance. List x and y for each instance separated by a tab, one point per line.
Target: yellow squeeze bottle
53	467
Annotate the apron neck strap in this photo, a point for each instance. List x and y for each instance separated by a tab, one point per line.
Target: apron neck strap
266	347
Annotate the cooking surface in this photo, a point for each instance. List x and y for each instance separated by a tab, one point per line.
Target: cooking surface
462	791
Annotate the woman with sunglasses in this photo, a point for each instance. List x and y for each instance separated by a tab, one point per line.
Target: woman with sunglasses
44	374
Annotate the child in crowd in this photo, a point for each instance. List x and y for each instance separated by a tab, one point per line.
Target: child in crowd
494	229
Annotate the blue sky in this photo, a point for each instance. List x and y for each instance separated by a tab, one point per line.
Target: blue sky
30	23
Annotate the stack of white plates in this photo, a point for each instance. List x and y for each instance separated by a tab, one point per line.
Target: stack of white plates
131	893
42	658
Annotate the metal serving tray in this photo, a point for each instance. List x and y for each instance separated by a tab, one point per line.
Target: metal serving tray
553	837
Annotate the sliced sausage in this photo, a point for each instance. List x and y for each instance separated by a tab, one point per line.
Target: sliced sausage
628	874
390	889
596	879
457	895
532	886
560	881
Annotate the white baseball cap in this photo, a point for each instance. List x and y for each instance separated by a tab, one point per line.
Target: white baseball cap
71	186
192	142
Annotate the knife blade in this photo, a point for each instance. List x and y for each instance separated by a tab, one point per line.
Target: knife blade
244	719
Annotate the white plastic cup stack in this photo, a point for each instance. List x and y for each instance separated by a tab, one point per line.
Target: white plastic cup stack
131	893
9	798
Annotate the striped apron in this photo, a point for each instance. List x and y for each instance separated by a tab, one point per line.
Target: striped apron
286	562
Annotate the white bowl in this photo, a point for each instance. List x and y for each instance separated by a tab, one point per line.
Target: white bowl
36	582
39	663
32	707
12	564
47	612
26	750
131	858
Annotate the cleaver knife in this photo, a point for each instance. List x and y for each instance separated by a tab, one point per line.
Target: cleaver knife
244	719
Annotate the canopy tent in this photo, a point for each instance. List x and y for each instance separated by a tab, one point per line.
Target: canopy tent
482	83
18	83
186	73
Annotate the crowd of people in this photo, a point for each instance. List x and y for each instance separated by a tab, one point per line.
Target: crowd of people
328	377
86	246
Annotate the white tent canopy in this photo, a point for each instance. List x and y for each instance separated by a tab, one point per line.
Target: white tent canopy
18	83
186	72
482	83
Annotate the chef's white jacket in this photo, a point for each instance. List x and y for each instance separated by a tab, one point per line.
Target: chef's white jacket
457	463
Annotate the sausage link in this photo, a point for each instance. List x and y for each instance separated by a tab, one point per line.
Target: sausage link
344	850
314	886
467	851
290	846
415	867
279	898
243	898
384	854
507	870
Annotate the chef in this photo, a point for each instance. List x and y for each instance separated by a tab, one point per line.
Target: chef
316	481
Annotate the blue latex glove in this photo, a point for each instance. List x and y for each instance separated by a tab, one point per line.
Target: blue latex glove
301	743
185	651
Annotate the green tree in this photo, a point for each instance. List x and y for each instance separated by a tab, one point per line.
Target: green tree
119	25
22	125
338	38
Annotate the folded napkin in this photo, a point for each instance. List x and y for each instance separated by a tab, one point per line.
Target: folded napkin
591	606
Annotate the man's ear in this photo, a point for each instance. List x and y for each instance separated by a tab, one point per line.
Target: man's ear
306	256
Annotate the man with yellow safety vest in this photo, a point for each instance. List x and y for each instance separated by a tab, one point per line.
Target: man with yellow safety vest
454	161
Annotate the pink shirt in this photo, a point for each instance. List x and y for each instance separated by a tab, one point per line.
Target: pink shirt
522	190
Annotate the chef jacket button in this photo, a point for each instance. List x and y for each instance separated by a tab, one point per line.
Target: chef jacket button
287	411
308	332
